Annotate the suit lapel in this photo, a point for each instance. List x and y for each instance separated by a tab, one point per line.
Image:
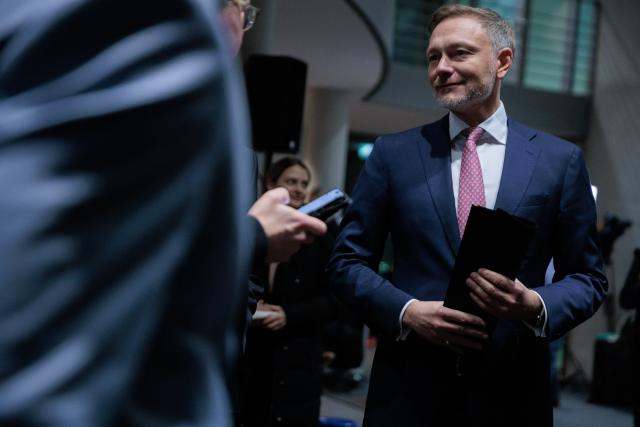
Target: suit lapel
435	153
519	162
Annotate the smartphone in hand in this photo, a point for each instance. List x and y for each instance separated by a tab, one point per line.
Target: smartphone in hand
326	205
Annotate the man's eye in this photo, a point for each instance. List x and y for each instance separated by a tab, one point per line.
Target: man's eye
432	58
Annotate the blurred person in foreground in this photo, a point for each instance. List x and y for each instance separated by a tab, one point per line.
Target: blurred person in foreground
283	361
419	186
124	190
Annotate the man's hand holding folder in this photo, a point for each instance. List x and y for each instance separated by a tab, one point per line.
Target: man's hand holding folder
445	326
502	297
483	284
483	281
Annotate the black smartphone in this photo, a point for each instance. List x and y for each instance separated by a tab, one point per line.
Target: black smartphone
326	205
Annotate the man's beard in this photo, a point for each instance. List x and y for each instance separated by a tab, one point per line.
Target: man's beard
473	96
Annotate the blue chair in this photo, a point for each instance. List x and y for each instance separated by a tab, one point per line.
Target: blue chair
336	422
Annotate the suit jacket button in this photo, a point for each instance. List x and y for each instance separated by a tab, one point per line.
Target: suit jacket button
297	281
279	419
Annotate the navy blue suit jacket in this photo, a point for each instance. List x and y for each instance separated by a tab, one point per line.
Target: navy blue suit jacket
405	191
123	193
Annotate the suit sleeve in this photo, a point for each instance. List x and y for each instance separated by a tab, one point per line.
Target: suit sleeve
260	244
358	250
579	283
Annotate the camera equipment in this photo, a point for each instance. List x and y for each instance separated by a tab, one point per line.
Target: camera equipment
613	228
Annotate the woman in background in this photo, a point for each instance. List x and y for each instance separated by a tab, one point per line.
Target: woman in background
284	343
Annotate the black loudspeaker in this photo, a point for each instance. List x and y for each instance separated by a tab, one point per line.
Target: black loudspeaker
276	87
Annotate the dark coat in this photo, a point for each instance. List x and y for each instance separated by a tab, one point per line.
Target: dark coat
284	368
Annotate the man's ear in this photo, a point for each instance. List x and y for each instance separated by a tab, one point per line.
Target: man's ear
505	59
233	20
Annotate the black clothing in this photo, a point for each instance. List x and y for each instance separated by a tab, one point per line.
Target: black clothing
284	368
260	244
255	292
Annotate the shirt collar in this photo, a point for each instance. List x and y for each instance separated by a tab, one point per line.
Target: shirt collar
495	125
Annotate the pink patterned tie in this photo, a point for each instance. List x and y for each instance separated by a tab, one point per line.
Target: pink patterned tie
471	190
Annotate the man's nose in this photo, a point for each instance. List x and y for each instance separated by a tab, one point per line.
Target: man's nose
443	66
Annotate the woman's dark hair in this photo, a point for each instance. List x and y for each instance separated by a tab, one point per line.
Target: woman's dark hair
276	169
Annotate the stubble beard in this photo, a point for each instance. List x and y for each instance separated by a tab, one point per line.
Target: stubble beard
474	95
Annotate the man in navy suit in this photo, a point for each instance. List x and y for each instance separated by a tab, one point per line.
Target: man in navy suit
415	187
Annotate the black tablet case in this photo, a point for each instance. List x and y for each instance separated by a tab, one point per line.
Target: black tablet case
495	240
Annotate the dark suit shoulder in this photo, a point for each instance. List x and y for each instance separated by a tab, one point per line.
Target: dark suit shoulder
432	133
404	135
543	140
416	132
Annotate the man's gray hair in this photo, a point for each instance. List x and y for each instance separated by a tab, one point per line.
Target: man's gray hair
499	31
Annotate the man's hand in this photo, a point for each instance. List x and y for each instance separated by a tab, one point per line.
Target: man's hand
502	297
444	326
285	227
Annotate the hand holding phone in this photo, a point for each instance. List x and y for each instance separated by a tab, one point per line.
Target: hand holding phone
286	229
326	205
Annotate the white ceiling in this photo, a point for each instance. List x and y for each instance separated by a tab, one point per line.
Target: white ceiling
332	39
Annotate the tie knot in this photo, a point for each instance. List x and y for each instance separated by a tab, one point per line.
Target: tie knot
474	133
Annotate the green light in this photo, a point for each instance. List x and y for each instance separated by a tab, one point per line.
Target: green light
364	149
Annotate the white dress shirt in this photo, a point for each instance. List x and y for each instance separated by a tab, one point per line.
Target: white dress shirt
491	148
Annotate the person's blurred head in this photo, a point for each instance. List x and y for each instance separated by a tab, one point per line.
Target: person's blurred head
239	16
293	175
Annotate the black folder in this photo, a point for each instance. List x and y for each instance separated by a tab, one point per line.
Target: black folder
493	239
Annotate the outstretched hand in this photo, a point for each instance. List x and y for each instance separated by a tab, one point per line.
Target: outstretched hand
286	228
